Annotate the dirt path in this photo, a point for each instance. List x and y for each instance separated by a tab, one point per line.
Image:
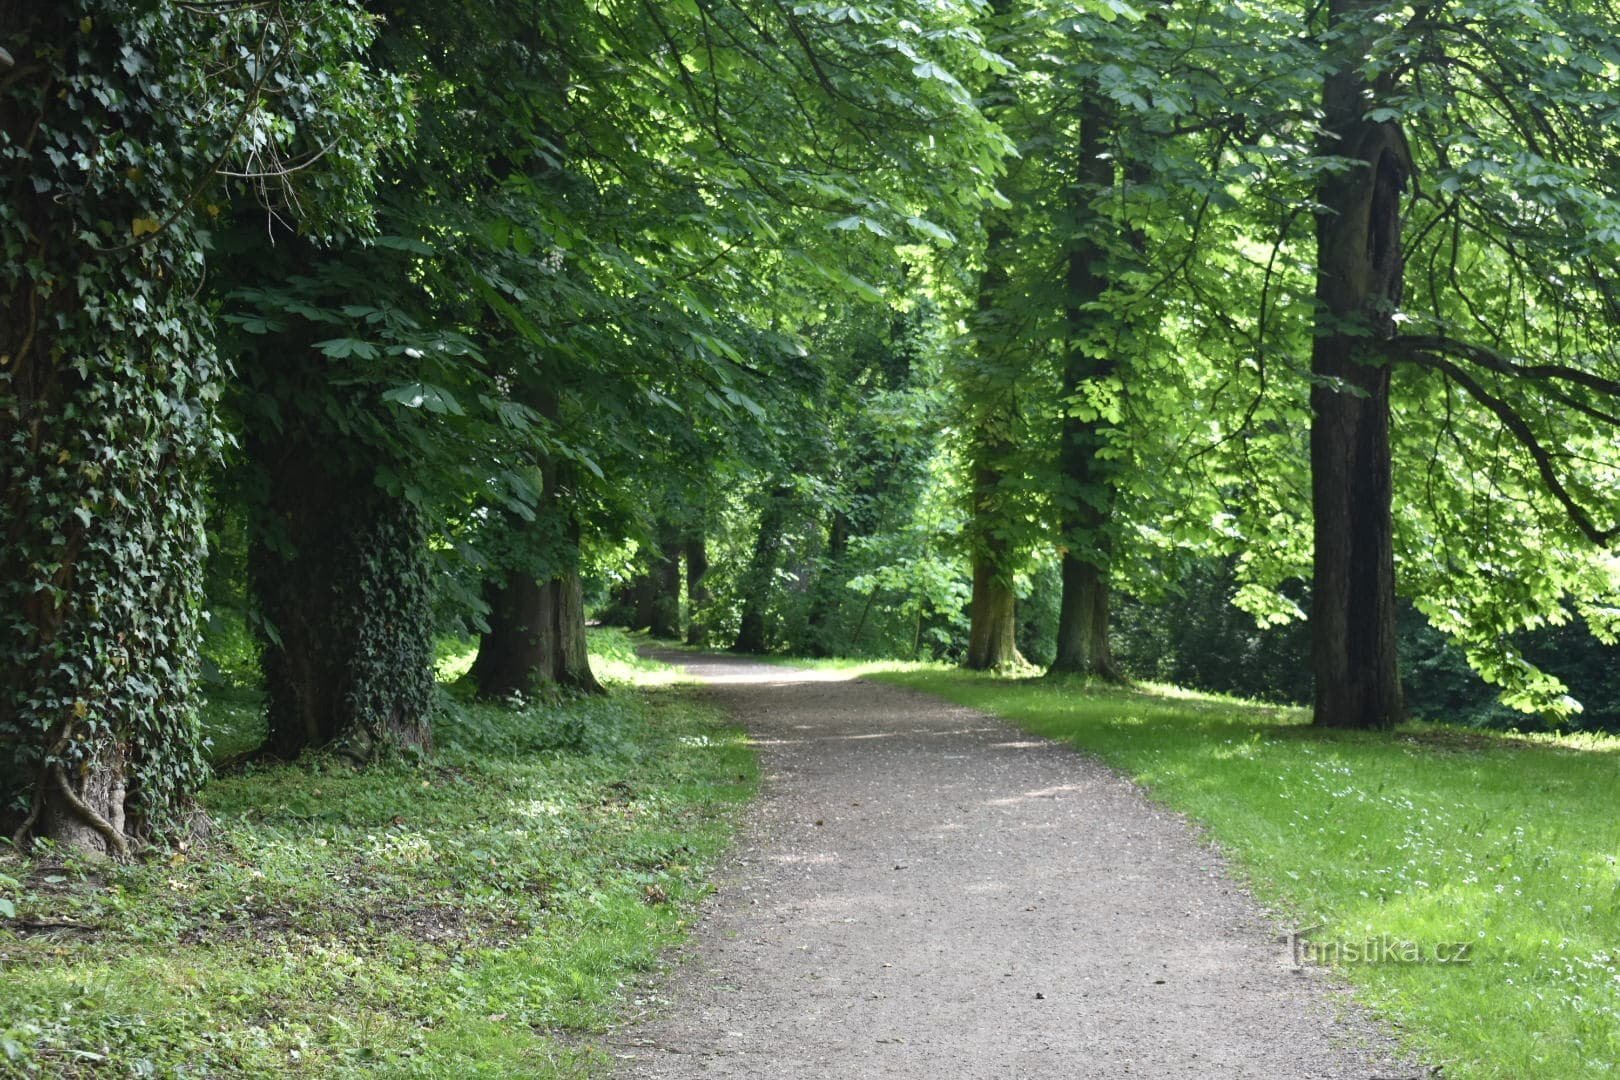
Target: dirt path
925	892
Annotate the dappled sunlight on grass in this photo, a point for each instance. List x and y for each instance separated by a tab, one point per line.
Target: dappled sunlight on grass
433	918
1434	836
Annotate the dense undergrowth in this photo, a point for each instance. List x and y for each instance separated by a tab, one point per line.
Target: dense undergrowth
1414	843
456	915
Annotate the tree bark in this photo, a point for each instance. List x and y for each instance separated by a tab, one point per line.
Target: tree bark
752	632
665	574
536	636
340	574
992	611
697	590
822	602
993	620
1358	289
644	592
1088	499
107	377
536	632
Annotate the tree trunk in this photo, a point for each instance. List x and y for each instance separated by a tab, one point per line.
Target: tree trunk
341	576
993	619
822	601
992	611
666	585
1358	289
536	629
752	632
697	591
1087	501
536	636
1083	644
107	379
645	594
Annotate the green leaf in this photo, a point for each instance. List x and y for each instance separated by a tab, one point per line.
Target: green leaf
420	395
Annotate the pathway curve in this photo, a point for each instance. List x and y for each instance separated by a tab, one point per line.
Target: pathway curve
923	891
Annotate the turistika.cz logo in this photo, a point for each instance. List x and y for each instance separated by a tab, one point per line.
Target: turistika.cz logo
1381	949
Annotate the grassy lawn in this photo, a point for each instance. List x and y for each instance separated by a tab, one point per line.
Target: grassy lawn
1431	837
458	916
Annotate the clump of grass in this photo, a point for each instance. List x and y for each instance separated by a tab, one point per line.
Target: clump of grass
1430	836
449	917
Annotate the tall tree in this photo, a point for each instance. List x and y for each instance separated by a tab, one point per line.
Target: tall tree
1359	269
118	121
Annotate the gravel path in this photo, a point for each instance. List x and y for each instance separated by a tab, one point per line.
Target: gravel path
923	891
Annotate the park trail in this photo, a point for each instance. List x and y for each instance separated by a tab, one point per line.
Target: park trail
923	891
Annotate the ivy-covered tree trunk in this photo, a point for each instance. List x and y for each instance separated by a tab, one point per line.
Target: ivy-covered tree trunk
1358	289
342	580
752	631
108	380
1087	500
665	575
697	590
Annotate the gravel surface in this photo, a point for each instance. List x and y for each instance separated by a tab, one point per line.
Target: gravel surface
923	891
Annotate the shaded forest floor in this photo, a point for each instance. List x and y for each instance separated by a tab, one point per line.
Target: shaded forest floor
1413	844
455	916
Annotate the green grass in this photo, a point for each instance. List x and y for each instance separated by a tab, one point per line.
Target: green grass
1430	836
464	916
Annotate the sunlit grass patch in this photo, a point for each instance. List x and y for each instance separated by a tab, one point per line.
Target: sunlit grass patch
450	917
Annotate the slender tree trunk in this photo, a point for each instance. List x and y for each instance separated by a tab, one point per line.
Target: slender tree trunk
697	590
752	632
821	600
992	611
1089	488
1358	289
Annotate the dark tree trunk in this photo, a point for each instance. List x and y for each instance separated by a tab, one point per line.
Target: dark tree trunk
536	632
342	581
697	591
827	583
644	593
536	636
1089	487
1358	289
752	632
992	611
993	620
666	585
